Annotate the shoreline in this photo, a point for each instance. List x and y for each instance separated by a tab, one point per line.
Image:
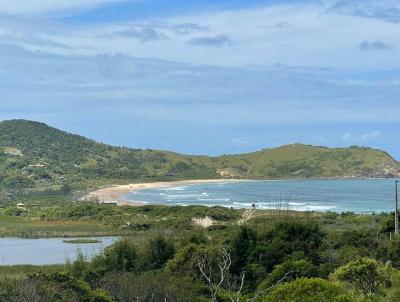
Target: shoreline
114	194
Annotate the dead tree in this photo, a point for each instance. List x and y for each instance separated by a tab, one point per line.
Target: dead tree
208	267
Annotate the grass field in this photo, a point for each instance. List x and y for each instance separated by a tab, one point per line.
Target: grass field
16	270
30	228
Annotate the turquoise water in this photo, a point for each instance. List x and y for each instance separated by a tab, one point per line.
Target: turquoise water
16	251
356	195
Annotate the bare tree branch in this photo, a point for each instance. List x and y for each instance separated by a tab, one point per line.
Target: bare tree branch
239	291
264	291
206	269
205	264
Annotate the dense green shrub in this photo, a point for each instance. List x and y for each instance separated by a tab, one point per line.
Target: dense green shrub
308	290
158	251
122	256
288	271
365	274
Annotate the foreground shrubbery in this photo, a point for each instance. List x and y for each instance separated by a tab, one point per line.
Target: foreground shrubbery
292	261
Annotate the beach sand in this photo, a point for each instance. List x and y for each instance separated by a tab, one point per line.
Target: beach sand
116	193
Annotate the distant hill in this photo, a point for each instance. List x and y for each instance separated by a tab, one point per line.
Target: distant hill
33	154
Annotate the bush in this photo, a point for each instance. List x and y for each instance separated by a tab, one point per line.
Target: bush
157	253
292	240
127	287
364	274
121	256
292	270
308	290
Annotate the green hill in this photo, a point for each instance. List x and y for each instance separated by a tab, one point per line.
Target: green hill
33	154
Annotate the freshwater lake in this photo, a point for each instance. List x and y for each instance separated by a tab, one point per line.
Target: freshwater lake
18	251
338	195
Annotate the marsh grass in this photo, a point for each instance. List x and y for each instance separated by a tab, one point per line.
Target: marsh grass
82	241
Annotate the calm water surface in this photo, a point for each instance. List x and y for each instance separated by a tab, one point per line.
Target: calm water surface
15	251
357	195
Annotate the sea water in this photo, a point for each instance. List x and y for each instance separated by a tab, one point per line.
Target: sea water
338	195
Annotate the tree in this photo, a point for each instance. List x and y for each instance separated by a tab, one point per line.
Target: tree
121	256
158	252
290	240
215	271
242	247
206	267
308	290
297	269
363	273
80	267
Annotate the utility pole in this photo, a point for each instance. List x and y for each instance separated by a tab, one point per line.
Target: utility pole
396	213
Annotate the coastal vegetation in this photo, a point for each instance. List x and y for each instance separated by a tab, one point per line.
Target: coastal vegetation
37	158
82	241
164	255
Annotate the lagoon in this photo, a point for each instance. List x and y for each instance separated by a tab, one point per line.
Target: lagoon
20	251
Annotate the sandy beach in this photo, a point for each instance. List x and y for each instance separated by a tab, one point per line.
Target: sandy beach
116	193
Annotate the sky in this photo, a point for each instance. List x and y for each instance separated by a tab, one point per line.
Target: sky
205	77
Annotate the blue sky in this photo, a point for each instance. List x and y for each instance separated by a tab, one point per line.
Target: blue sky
205	77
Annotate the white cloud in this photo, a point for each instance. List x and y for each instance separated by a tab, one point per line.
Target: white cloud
368	137
297	34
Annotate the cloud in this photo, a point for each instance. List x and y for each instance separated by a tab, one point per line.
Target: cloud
291	33
143	34
279	25
215	41
30	39
385	10
375	45
349	137
188	28
175	92
257	104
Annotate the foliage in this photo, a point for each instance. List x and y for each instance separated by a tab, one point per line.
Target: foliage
363	273
158	252
291	270
127	287
308	290
243	245
54	287
122	256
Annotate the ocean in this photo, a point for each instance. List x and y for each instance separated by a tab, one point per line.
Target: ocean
337	195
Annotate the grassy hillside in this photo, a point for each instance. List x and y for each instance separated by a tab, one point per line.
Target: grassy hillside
33	154
299	160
